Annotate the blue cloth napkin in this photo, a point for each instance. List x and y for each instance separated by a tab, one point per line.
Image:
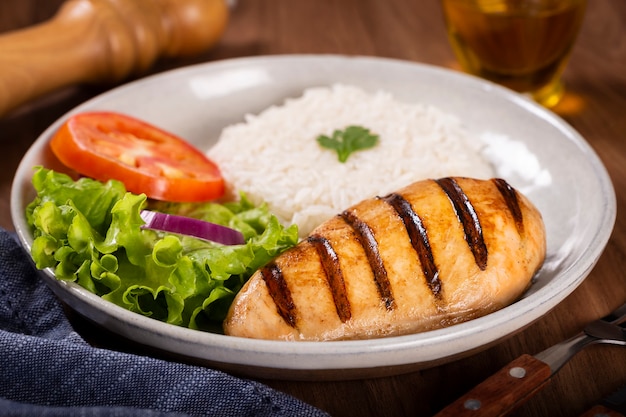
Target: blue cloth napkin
47	369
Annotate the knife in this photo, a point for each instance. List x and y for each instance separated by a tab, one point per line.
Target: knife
522	378
612	406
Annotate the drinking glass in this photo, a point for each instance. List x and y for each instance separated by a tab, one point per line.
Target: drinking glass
521	44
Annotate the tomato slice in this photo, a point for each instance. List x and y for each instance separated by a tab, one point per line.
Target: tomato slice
106	145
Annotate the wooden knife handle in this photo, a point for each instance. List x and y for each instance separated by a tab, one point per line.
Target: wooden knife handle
91	41
504	391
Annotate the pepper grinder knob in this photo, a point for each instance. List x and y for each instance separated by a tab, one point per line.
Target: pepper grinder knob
98	41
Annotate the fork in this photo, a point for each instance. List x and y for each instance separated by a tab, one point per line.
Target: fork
523	377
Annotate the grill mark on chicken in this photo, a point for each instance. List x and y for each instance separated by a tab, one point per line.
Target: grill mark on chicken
277	287
370	246
469	219
419	240
334	275
512	202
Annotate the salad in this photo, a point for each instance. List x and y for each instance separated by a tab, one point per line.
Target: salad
140	225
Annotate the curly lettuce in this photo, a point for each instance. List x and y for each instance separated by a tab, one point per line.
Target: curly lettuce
90	233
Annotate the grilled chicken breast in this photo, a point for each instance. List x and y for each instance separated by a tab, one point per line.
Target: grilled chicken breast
435	253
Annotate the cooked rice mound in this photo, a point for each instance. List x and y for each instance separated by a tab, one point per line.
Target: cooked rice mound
274	156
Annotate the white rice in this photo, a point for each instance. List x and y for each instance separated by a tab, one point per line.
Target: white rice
275	157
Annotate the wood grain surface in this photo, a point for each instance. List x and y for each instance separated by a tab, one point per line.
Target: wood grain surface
595	105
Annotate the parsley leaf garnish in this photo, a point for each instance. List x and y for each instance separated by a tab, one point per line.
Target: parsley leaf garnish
345	142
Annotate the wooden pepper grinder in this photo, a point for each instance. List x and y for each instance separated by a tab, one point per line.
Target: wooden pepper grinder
92	41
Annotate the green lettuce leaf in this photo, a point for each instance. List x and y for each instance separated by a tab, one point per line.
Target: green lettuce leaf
90	233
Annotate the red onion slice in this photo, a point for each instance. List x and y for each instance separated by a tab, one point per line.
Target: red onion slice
191	227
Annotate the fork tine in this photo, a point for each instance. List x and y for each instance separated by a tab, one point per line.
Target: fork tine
616	316
608	333
559	354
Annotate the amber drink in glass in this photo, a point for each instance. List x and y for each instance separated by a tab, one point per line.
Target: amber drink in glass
521	44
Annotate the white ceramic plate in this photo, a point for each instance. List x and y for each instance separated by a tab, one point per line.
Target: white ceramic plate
534	150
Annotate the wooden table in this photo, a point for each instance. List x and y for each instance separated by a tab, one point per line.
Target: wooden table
413	30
